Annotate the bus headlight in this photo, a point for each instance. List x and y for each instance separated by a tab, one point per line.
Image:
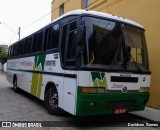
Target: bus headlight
100	90
93	90
144	89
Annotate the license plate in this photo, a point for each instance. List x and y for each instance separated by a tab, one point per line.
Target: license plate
119	110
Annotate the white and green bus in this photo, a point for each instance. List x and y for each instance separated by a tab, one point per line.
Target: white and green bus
84	63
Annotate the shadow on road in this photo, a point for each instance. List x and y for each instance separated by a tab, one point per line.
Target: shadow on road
30	97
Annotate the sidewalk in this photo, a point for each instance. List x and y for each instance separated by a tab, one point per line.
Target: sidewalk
149	113
3	82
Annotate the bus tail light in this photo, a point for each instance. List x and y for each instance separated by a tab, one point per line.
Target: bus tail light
93	90
144	89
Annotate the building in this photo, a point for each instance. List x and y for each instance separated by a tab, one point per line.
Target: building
4	47
144	12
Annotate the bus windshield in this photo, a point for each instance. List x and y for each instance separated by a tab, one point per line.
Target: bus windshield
110	45
135	48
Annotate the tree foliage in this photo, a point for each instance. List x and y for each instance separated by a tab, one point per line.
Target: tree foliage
3	55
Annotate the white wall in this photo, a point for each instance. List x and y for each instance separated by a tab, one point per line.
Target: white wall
0	66
5	67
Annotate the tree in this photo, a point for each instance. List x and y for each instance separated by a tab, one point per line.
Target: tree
3	55
1	49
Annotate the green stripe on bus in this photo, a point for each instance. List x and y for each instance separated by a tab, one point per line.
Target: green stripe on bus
37	79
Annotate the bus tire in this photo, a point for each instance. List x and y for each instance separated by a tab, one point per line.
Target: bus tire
51	102
15	88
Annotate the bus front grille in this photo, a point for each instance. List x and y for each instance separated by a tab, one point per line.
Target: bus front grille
121	103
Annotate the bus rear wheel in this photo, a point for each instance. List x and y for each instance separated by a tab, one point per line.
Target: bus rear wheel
15	88
51	102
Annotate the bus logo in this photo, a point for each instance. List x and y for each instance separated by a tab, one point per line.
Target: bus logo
99	79
37	78
124	90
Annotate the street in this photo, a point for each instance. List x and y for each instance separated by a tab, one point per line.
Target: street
24	107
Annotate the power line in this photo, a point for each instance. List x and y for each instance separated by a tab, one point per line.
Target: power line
110	4
9	27
13	37
35	21
50	13
54	10
15	33
41	17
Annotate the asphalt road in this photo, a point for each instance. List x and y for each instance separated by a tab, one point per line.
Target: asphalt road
24	107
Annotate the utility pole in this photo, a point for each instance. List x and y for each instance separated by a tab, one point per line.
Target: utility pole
19	29
19	33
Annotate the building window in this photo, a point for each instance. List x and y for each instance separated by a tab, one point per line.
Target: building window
61	11
85	3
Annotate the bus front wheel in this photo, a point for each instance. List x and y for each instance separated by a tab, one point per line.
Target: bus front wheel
51	102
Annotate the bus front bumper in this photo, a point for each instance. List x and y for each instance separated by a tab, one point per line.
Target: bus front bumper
100	104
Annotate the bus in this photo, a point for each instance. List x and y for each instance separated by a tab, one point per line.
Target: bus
84	63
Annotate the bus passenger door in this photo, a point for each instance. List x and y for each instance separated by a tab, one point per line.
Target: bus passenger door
69	63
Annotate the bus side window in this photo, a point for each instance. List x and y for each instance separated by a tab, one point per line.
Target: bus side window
51	37
55	36
18	46
12	54
25	46
9	49
39	41
34	44
47	38
29	45
63	42
22	47
71	48
15	50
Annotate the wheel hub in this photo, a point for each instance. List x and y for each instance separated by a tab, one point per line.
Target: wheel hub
53	101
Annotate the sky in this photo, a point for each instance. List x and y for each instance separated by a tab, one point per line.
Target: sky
23	14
